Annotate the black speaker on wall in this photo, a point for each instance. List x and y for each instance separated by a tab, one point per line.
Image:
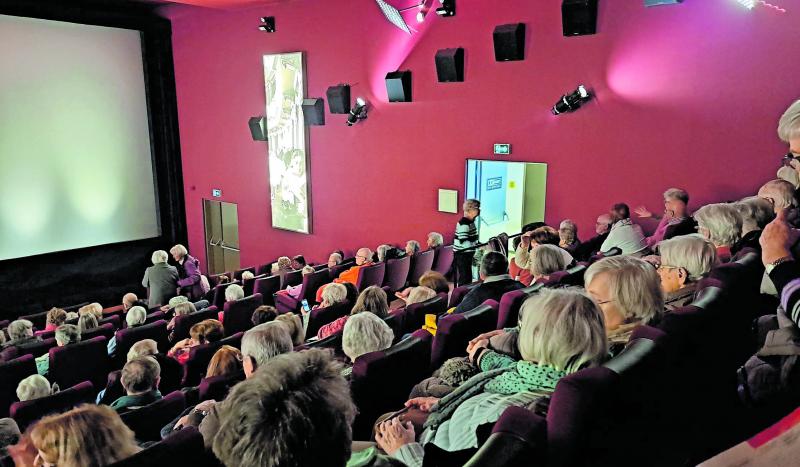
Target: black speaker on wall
509	42
450	65
579	17
314	111
398	86
339	99
258	128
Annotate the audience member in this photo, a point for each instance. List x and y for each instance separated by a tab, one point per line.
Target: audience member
9	435
227	361
160	280
55	318
781	194
204	332
432	280
87	322
789	129
674	222
140	378
20	332
372	299
94	309
756	214
545	260
298	262
585	250
496	282
128	301
783	270
34	387
720	223
182	309
263	314
282	266
364	333
412	247
334	259
561	332
294	324
788	173
420	294
624	234
170	374
544	235
363	259
568	235
136	316
89	435
188	272
65	334
452	374
684	261
294	290
248	275
433	240
466	237
233	293
386	252
143	348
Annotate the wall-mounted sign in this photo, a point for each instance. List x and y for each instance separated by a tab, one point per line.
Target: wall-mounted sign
502	149
494	183
216	192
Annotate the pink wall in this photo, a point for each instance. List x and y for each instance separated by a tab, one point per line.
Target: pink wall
687	95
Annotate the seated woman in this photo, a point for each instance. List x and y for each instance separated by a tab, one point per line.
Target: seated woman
332	295
364	333
420	294
233	293
684	261
227	361
334	259
263	314
55	318
412	246
136	316
432	280
561	332
372	299
568	234
209	330
20	332
294	324
87	322
385	252
34	387
298	262
66	334
183	309
294	290
545	260
282	266
720	223
531	240
756	214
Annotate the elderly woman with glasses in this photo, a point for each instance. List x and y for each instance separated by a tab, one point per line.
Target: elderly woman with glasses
684	261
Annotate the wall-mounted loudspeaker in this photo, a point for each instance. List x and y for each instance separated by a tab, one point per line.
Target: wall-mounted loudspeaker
579	17
339	99
509	42
398	86
258	128
450	65
314	111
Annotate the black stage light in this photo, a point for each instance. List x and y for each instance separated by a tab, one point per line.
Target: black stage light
448	8
267	24
358	112
571	102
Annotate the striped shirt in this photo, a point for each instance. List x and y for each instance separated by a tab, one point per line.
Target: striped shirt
466	234
786	277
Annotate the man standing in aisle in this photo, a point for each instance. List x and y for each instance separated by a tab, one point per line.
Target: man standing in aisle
466	237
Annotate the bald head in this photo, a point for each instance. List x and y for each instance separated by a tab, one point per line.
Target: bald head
778	192
363	255
128	299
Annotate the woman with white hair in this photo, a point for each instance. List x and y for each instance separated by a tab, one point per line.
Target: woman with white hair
434	239
756	214
720	223
789	131
372	299
188	272
160	279
545	260
561	333
65	334
412	247
364	333
34	387
20	332
568	235
136	316
684	261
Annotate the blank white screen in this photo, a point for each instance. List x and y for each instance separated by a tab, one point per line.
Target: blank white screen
75	159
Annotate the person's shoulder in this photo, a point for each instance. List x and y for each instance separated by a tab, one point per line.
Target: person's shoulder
464	221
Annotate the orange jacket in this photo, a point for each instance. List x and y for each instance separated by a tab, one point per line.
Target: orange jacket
351	275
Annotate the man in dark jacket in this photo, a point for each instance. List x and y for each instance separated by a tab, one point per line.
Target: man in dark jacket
496	282
140	378
160	279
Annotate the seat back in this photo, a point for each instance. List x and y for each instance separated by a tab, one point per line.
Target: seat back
291	278
113	388
370	275
39	320
185	444
106	330
322	316
83	361
413	316
146	422
267	286
265	268
219	295
615	251
518	438
311	284
340	268
25	413
127	337
443	259
114	320
37	349
11	373
237	275
421	262
460	292
194	369
453	332
332	342
249	284
185	322
396	273
511	302
217	387
381	381
153	317
238	315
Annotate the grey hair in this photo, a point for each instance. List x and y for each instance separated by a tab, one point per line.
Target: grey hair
414	245
143	348
364	333
546	259
420	294
568	231
789	174
789	123
33	387
435	239
234	292
677	194
265	341
381	251
140	375
136	315
86	322
179	250
247	275
185	308
337	257
693	253
756	213
367	253
780	192
723	222
634	284
9	434
159	256
562	328
68	334
471	204
334	293
20	328
177	300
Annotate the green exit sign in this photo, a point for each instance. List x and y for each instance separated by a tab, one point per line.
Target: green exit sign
502	149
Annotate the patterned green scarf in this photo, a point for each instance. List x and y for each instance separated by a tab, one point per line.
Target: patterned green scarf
525	376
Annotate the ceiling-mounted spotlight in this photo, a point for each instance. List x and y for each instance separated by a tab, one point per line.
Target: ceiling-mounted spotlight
267	24
448	8
358	112
572	102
